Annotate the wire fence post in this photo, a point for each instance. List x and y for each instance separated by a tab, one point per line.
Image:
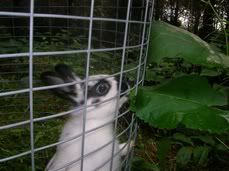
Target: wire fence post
86	81
31	82
120	78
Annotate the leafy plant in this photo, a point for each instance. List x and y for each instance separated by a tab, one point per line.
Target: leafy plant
173	42
186	95
187	100
140	163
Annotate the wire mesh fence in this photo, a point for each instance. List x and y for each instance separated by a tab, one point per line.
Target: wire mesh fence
92	37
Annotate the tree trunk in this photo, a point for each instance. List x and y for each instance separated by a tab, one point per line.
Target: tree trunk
197	14
174	4
158	9
176	14
227	11
208	21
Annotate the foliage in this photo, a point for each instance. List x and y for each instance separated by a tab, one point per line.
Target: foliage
47	41
139	162
15	108
186	97
187	100
179	43
181	149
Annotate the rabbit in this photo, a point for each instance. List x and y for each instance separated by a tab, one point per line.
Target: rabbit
100	88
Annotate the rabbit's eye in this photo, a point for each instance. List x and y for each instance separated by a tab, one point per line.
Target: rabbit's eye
102	89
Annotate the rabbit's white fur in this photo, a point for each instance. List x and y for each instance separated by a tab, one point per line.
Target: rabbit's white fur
96	116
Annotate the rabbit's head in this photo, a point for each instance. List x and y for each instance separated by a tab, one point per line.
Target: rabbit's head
101	94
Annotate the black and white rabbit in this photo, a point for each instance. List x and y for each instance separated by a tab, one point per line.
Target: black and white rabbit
100	89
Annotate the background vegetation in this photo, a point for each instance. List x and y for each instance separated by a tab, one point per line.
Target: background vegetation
184	105
53	34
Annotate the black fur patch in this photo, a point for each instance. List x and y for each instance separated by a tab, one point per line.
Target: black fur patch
124	85
82	102
63	74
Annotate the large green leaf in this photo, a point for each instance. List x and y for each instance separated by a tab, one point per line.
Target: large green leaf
200	154
182	138
184	155
187	100
172	42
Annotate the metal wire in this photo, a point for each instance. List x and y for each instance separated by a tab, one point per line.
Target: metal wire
21	14
31	82
120	78
131	40
68	52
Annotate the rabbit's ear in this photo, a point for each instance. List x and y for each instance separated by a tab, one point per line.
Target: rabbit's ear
65	72
52	78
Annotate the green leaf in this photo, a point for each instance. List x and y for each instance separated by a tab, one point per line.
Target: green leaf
206	139
150	75
184	155
186	100
209	72
132	98
193	88
221	147
183	138
200	155
172	42
139	164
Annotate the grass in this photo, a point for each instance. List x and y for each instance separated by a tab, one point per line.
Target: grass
15	108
